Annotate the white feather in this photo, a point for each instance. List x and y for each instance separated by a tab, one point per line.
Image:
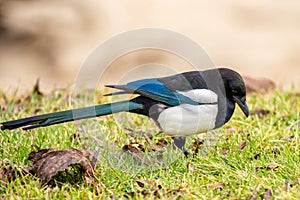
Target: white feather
185	119
201	95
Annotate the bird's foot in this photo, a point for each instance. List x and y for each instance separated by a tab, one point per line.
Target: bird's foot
179	143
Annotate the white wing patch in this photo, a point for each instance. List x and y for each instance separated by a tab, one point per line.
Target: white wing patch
201	95
185	119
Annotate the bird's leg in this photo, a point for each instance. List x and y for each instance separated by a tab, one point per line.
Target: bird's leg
180	142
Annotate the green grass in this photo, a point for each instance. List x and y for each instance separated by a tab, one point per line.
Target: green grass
222	169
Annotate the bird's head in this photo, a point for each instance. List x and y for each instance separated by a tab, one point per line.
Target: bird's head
235	88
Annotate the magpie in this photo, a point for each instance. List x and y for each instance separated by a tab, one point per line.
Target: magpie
182	105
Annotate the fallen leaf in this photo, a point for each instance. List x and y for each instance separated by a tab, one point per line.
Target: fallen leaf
271	167
267	194
142	183
148	192
260	112
7	174
276	150
145	192
217	185
197	144
136	151
243	144
258	85
259	168
39	154
159	146
175	191
256	155
46	163
289	139
139	152
153	191
133	148
225	151
248	136
127	195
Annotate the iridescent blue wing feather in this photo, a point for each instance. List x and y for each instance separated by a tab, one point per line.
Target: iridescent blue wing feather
154	89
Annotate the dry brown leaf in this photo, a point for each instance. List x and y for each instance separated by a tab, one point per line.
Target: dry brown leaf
139	152
256	156
269	168
259	85
175	191
136	151
217	185
197	144
289	138
267	194
248	136
225	151
143	183
133	148
154	192
7	174
159	146
260	112
276	150
243	145
46	163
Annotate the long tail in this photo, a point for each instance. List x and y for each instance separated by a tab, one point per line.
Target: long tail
70	115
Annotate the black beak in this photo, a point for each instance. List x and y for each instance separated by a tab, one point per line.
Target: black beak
242	104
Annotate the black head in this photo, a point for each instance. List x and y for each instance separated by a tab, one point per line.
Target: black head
235	88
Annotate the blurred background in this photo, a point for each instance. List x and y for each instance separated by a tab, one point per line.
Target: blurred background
50	40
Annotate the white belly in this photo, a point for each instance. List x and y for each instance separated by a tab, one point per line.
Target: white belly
188	119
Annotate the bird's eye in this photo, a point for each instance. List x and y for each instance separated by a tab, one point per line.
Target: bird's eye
234	91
